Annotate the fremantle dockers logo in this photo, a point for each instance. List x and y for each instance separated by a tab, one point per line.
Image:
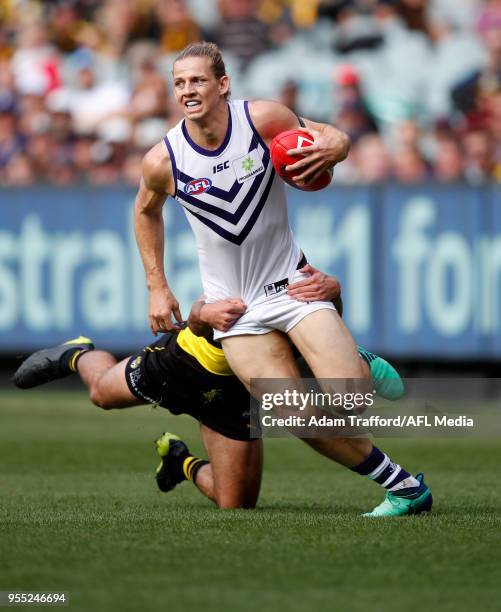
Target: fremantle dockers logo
197	186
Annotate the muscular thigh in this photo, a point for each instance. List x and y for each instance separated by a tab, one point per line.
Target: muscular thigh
260	356
236	467
327	345
113	387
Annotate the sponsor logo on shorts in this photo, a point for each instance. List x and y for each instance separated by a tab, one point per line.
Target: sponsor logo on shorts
197	186
277	287
136	362
134	378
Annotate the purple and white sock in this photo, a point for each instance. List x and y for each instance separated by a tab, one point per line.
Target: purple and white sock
380	468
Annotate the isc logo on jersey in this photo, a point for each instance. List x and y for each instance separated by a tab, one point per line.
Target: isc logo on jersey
197	186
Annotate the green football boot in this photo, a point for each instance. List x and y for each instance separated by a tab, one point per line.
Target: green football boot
387	381
172	451
51	363
398	505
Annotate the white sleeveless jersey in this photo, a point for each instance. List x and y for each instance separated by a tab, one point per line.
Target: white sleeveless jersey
237	209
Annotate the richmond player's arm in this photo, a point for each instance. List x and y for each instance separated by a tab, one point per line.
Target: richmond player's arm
221	315
330	147
157	182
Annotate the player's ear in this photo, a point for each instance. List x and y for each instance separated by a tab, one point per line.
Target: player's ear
224	85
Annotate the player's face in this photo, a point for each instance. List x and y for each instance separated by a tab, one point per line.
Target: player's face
197	89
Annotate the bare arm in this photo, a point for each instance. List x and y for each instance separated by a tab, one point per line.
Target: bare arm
218	315
156	184
330	147
195	323
317	287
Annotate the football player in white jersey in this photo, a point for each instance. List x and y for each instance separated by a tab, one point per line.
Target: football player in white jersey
216	163
240	222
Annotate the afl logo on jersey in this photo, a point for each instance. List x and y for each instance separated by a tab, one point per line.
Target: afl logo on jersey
197	186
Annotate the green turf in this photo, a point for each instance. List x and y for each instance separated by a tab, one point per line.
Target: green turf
79	512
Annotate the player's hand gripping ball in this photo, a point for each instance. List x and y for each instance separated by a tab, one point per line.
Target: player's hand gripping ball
294	139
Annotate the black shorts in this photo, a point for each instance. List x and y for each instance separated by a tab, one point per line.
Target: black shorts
164	374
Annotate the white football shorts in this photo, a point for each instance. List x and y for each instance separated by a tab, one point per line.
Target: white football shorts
279	312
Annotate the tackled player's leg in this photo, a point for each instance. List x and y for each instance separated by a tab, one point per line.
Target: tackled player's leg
324	341
258	356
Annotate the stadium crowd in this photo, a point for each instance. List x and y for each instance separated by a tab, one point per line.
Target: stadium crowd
85	89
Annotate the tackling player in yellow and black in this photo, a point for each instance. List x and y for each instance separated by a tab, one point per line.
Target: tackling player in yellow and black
188	374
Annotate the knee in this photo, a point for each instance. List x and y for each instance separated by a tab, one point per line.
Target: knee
235	506
99	399
235	502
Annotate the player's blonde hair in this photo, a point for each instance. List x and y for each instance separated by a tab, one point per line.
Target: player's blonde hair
209	50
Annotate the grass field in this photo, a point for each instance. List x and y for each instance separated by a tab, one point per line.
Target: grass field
79	512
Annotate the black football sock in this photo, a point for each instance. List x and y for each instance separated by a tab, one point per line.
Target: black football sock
69	359
191	465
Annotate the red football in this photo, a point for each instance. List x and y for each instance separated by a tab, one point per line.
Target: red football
294	139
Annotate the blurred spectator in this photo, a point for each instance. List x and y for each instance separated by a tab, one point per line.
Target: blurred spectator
6	49
122	23
132	168
91	103
64	25
62	173
83	157
283	16
445	15
493	118
448	162
7	88
415	14
479	164
40	150
241	31
178	28
352	115
288	96
472	95
33	116
408	166
35	63
149	94
494	128
372	159
407	134
355	30
415	83
11	141
105	167
19	172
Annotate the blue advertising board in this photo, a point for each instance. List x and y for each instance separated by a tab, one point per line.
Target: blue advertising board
420	266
